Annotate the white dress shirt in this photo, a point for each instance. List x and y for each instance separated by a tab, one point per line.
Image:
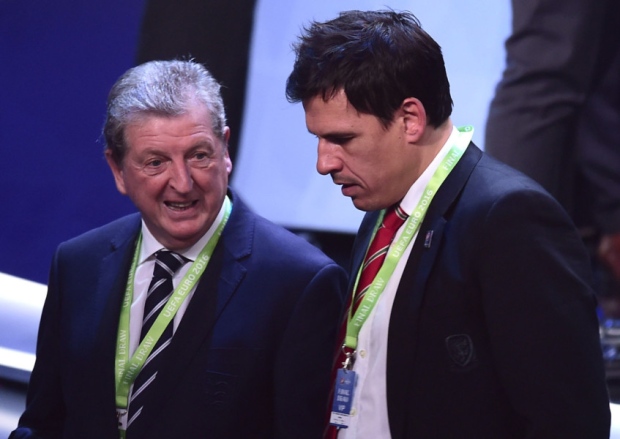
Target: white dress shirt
369	414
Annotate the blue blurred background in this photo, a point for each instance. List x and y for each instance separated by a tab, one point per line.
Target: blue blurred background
58	60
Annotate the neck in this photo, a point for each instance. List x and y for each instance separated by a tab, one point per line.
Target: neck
429	145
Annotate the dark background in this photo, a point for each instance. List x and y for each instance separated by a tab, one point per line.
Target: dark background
58	61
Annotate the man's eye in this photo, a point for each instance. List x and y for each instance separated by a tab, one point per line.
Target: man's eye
200	159
339	140
154	166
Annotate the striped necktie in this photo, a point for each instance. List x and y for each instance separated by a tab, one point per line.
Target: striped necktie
160	290
393	219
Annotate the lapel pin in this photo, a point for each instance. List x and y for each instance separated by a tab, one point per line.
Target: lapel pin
428	238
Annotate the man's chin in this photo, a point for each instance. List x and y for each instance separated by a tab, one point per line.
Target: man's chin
368	205
359	205
181	238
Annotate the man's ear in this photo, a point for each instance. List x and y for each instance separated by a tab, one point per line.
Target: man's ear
117	172
414	118
226	153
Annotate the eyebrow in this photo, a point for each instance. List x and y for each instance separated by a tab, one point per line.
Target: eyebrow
335	134
204	144
163	150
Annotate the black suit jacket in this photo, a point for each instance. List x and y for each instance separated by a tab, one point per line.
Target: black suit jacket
250	359
493	332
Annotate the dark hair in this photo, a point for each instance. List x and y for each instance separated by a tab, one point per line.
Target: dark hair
379	58
163	88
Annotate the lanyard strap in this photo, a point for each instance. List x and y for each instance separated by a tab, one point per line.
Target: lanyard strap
411	227
128	368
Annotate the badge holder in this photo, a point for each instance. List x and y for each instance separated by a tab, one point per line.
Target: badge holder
343	392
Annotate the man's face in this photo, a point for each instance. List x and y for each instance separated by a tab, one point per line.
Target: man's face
175	171
366	159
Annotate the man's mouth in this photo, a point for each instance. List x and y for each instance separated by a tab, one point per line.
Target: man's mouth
180	206
348	189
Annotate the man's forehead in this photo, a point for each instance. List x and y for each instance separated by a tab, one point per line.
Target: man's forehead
335	115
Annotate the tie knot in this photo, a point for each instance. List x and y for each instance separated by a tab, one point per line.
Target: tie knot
394	218
167	263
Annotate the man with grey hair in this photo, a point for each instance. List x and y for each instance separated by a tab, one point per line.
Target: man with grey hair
194	317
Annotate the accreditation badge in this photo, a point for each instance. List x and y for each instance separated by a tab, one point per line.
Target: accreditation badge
343	398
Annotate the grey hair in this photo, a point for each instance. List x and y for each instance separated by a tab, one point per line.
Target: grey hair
161	88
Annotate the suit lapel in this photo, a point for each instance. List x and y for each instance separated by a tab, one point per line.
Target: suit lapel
403	320
214	291
112	278
362	241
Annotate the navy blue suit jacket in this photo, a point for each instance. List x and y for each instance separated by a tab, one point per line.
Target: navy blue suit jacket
493	332
251	357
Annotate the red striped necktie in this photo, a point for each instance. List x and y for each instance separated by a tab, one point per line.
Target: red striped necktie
393	219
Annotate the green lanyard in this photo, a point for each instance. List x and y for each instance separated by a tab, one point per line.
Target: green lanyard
128	368
411	227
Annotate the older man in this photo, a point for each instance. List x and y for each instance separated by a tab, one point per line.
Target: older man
195	317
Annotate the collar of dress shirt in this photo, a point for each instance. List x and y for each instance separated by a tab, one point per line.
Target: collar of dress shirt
414	194
150	245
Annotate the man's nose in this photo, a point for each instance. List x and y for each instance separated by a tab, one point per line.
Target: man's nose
181	177
327	158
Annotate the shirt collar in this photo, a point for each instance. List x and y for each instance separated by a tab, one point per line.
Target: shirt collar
414	194
150	245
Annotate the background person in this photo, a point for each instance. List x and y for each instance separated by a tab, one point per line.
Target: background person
556	117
